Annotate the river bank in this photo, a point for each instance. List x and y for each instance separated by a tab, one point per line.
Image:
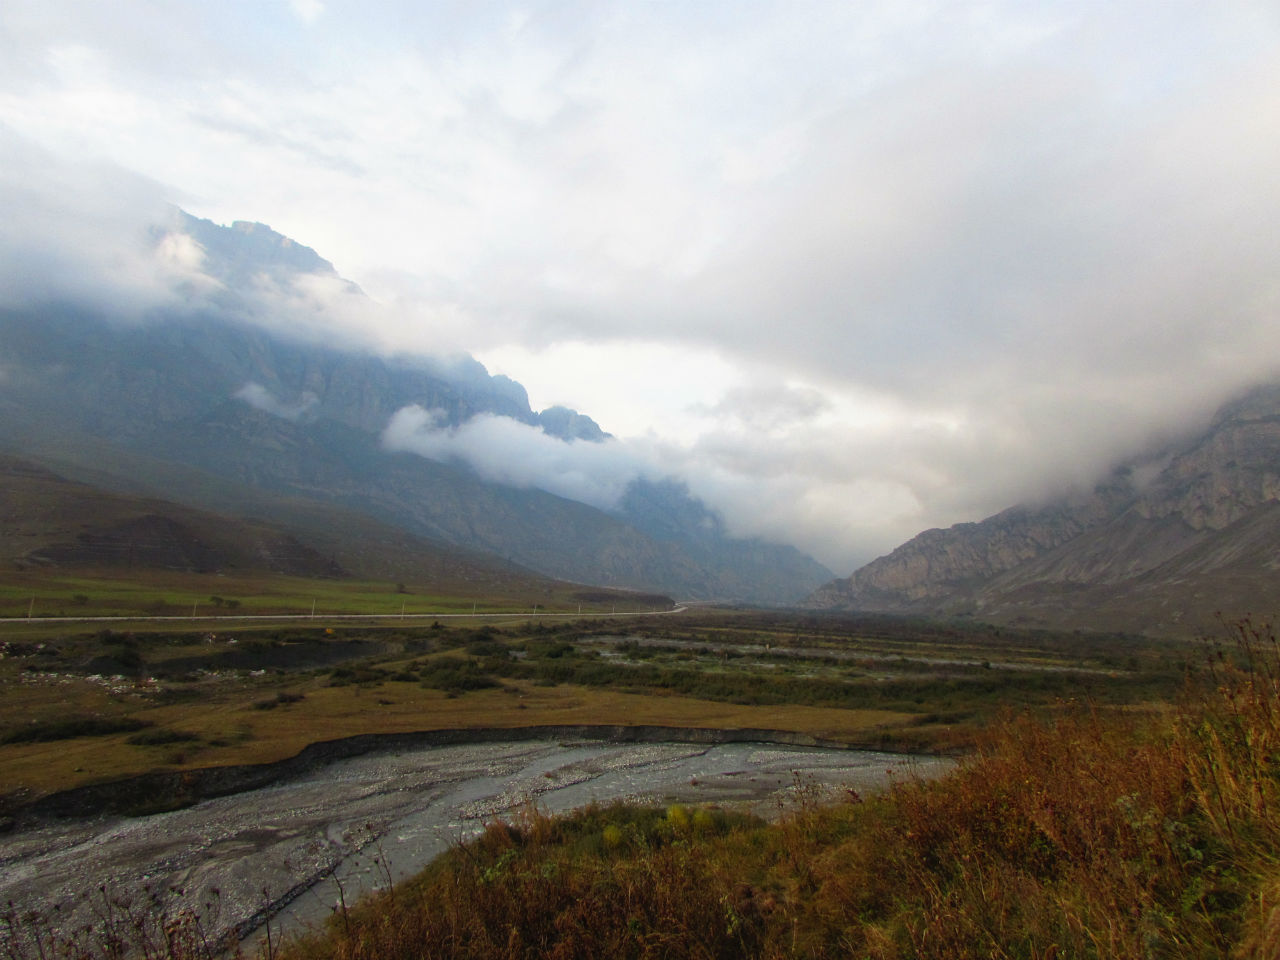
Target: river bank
338	818
170	789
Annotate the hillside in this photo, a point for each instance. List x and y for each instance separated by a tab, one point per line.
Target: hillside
47	520
1164	546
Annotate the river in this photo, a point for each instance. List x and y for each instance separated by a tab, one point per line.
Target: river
290	851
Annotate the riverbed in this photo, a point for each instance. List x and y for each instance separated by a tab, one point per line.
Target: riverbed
288	853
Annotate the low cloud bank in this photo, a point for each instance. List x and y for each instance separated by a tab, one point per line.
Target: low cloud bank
89	234
805	488
503	450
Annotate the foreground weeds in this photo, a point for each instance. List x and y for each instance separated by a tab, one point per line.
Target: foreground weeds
1109	834
153	926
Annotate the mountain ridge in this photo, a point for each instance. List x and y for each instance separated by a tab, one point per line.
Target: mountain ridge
1165	544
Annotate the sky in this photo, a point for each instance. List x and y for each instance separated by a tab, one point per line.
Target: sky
851	270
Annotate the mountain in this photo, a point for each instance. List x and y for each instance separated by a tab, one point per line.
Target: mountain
1165	545
229	390
667	512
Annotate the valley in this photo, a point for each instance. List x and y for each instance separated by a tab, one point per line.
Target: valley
239	776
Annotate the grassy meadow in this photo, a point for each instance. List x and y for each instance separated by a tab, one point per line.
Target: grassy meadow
39	594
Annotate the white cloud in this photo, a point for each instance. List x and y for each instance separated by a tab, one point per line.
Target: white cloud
308	11
507	451
260	398
630	387
84	232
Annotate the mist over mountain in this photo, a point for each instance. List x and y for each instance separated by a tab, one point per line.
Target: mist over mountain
1168	543
225	377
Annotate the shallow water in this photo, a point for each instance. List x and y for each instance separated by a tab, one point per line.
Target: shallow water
293	849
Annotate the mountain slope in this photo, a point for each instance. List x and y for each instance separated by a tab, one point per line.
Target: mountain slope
47	519
218	389
1163	546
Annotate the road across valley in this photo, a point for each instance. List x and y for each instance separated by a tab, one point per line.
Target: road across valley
240	617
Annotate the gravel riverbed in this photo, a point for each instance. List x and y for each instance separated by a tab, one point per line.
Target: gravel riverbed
288	852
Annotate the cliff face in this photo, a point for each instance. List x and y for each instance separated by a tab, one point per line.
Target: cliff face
1163	547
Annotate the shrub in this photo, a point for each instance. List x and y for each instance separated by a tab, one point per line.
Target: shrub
455	676
71	727
280	699
162	737
487	648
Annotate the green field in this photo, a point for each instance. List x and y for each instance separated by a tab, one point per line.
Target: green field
38	594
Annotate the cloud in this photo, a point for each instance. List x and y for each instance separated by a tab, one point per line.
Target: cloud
308	11
102	237
502	450
843	500
86	233
260	398
770	406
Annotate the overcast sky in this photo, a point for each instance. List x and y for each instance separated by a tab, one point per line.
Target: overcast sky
851	269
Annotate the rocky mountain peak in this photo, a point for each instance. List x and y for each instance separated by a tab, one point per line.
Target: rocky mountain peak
569	424
237	253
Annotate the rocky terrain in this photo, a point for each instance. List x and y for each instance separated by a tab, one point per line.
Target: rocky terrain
1167	545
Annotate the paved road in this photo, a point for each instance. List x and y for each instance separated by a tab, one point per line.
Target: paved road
221	618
